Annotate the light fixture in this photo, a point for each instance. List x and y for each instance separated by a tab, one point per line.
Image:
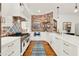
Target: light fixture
21	4
76	8
57	12
18	21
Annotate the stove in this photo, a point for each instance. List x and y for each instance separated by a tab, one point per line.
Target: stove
24	40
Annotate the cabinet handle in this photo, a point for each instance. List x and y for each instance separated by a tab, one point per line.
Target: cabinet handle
65	52
57	38
11	45
11	53
66	44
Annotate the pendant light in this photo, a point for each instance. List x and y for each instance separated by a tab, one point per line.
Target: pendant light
20	4
76	8
57	12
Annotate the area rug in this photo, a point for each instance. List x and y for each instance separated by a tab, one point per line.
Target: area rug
38	49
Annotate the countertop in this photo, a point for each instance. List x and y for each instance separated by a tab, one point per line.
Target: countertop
16	34
5	40
10	38
56	35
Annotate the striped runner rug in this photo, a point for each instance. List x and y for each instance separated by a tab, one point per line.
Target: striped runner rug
38	49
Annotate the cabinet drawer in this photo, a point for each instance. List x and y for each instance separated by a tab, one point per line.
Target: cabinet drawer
66	47
66	44
7	49
16	48
66	53
69	49
10	48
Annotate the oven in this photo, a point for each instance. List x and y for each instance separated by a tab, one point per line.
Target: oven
24	41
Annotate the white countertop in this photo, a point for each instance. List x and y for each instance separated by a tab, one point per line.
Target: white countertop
71	39
5	40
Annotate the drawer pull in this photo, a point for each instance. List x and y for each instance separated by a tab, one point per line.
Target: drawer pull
66	44
11	45
11	53
57	38
65	52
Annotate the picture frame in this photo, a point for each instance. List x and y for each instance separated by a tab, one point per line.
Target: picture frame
36	25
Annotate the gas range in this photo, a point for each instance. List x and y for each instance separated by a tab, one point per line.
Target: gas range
25	38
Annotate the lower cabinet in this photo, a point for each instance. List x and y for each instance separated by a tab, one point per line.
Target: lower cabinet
69	49
11	49
56	44
62	47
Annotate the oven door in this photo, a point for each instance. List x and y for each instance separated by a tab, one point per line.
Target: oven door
23	45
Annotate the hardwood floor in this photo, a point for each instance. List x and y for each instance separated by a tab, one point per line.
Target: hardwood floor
48	50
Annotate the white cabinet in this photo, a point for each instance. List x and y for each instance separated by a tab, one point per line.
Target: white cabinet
56	44
35	37
43	36
69	49
11	48
64	45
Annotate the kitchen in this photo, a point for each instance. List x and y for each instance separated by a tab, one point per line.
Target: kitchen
55	23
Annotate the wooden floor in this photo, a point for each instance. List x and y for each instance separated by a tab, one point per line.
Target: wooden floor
48	50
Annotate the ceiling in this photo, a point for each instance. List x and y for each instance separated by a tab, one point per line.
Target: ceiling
65	8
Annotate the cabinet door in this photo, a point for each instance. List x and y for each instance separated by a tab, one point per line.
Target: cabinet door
16	48
69	49
11	49
6	49
58	45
